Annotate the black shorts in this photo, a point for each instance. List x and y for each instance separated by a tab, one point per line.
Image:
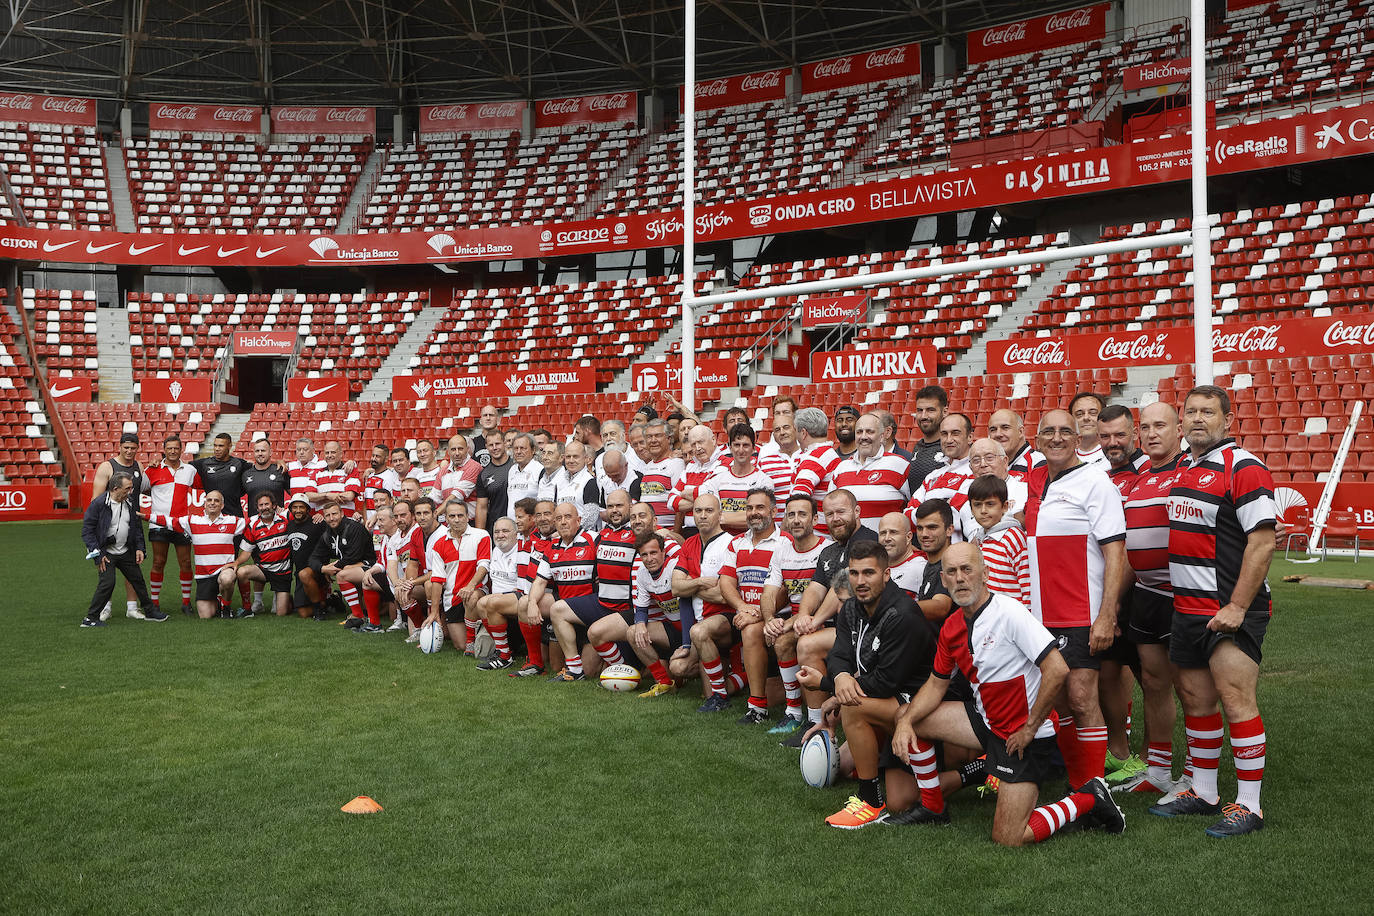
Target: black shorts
282	583
1036	764
207	588
674	631
1191	643
1072	643
384	588
1122	650
1152	618
959	688
454	613
588	609
168	536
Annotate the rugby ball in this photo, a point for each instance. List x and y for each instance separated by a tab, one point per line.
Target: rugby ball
619	678
820	760
431	638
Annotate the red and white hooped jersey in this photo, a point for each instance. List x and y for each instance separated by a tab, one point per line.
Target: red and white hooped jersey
689	482
878	483
615	560
700	560
532	549
1068	519
455	562
748	563
656	486
337	480
213	540
371	484
909	573
733	489
301	480
271	542
1147	526
816	477
1006	555
461	483
781	468
949	483
169	489
792	569
570	567
653	595
999	651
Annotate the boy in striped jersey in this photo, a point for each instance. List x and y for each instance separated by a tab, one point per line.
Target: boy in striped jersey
1003	540
213	535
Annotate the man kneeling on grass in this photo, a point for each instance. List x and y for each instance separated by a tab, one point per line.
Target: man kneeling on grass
1016	671
882	653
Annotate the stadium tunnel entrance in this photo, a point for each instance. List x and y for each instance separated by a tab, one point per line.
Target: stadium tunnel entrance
261	380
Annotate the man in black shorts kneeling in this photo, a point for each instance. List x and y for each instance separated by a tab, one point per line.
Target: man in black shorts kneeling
266	553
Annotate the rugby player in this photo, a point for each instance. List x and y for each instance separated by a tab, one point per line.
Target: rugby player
266	553
503	601
730	483
615	554
742	578
343	554
458	561
567	565
703	555
169	484
213	534
877	479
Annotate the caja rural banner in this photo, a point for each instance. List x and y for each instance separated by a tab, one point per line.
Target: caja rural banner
889	363
610	108
325	389
315	119
1055	30
178	389
208	117
856	69
471	117
1306	137
32	108
711	372
1174	345
745	89
519	383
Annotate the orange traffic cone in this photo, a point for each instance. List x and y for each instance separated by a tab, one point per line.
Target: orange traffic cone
363	804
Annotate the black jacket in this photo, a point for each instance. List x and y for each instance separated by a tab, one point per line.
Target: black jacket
350	544
889	653
95	526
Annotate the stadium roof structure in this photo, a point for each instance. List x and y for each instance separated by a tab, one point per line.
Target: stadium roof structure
400	53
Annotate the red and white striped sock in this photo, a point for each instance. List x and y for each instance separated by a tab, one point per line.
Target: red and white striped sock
185	586
534	646
737	676
574	664
155	585
1204	748
1247	749
758	703
470	630
787	670
1046	819
1159	763
1092	742
715	676
738	681
610	653
498	636
660	673
923	764
350	595
373	600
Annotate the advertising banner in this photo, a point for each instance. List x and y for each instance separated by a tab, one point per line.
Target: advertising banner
1159	73
1055	30
471	117
829	311
208	117
1353	497
711	372
745	89
518	383
890	363
328	388
313	119
32	108
264	343
70	390
179	389
896	62
610	108
26	501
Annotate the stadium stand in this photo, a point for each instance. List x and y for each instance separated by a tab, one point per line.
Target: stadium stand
354	332
64	329
57	176
94	429
213	183
27	455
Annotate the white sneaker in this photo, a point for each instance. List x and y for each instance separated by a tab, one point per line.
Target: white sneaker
135	614
1182	785
257	605
105	611
398	624
413	637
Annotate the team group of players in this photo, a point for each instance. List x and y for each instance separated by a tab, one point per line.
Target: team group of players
972	611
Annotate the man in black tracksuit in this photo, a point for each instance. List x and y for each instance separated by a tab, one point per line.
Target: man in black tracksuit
882	655
344	553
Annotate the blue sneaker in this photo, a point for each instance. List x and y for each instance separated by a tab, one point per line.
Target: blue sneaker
787	726
1236	820
716	702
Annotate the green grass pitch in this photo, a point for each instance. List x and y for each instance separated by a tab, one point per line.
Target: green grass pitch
200	766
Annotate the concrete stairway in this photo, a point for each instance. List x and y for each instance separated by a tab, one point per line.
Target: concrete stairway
112	349
398	360
121	201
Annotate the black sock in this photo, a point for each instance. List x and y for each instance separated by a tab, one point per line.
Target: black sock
973	773
871	791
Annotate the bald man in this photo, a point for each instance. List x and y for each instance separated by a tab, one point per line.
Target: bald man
877	478
1004	653
334	485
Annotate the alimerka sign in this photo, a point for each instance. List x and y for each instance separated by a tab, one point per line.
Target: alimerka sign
889	363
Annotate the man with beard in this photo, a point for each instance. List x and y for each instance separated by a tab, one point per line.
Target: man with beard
844	420
344	554
266	554
303	533
926	455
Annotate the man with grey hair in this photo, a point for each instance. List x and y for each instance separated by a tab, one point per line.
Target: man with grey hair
574	483
551	460
890	433
660	470
615	475
522	479
818	462
613	436
113	535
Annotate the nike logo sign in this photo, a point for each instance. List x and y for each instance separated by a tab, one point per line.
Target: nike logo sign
93	248
231	251
62	392
135	251
309	392
49	246
184	251
263	254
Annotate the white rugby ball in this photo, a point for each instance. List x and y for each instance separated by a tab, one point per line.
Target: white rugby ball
431	638
820	761
619	678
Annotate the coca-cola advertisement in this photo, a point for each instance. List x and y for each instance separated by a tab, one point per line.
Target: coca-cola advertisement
830	311
472	117
264	343
204	118
898	62
1054	30
608	108
32	108
1159	73
745	89
317	120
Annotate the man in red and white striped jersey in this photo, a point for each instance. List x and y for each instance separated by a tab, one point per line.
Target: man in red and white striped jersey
778	457
657	625
169	484
335	485
732	482
877	479
818	461
213	536
568	567
615	555
1077	536
1221	539
430	471
457	563
1150	593
659	472
742	578
265	556
459	482
301	472
375	480
701	452
905	564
